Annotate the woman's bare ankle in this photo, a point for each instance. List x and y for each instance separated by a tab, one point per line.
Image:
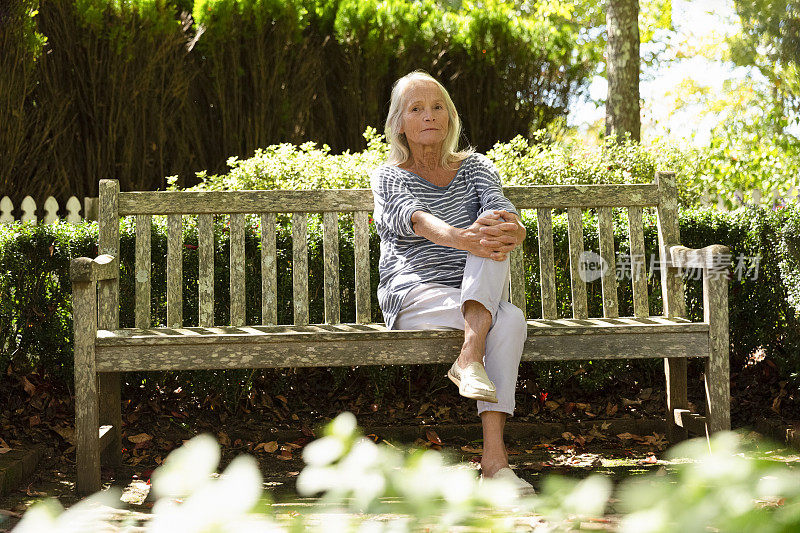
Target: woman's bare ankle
489	467
468	356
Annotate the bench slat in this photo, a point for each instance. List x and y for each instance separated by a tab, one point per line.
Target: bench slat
174	271
288	332
547	273
362	281
143	267
237	269
269	271
387	347
605	230
638	269
350	200
330	246
300	267
517	265
108	243
245	202
562	196
205	275
578	285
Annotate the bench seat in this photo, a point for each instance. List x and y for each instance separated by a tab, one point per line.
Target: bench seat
372	344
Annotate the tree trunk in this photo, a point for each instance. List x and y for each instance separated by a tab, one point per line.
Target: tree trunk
622	65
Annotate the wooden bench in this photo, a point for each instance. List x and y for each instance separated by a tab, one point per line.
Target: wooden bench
103	350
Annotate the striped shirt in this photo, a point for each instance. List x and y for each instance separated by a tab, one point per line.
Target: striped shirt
408	259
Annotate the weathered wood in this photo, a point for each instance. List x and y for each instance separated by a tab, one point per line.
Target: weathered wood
378	348
87	446
349	200
218	202
641	307
692	422
672	295
580	307
300	267
362	281
237	316
605	231
143	267
717	378
330	246
205	269
110	407
714	257
561	196
174	271
108	244
269	271
668	236
547	273
103	267
378	332
517	267
110	412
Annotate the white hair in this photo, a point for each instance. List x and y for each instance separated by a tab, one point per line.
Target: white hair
399	150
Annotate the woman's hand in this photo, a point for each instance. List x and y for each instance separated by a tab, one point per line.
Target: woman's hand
494	235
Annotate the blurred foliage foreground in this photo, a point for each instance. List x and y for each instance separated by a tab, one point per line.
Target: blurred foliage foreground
720	485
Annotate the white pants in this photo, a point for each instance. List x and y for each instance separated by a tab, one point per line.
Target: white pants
432	305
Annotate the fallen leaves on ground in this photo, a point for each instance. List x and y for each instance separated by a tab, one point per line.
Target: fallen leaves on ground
139	438
268	447
433	437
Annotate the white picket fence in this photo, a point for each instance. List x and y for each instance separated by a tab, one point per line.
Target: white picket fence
75	211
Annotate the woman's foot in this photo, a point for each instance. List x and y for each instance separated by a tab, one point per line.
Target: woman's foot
509	476
472	382
490	467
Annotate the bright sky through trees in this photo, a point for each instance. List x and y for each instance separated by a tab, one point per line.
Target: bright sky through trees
696	69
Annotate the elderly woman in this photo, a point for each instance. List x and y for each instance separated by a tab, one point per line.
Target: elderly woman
446	233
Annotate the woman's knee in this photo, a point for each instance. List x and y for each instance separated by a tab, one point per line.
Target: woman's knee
511	320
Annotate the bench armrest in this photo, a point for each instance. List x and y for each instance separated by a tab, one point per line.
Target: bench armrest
84	269
713	257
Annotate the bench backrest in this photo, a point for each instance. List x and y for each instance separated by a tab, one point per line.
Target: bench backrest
113	204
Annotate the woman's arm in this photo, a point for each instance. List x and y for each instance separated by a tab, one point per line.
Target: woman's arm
474	239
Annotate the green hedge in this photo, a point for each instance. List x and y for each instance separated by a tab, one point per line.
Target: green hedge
538	161
35	312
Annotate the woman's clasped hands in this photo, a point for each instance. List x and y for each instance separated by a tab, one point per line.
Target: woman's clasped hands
495	235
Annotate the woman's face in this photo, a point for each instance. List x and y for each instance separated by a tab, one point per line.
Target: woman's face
424	119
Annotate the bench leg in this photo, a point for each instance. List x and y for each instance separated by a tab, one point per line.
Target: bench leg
717	375
87	421
675	372
111	414
718	395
